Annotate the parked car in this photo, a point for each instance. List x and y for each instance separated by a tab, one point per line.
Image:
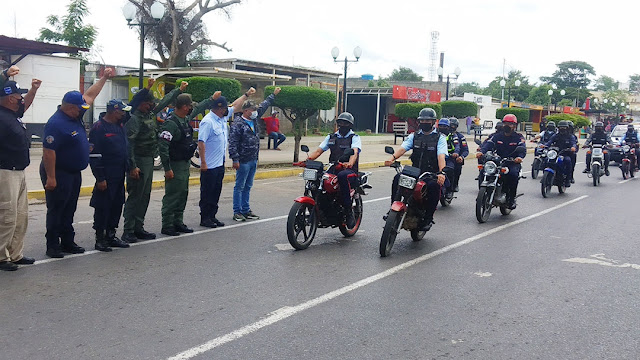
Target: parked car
616	136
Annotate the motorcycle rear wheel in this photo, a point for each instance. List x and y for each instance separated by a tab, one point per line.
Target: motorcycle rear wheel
301	220
444	200
545	184
535	168
595	174
625	170
417	235
504	210
357	214
483	206
389	233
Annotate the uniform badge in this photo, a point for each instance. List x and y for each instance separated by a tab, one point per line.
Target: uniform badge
49	139
74	133
166	135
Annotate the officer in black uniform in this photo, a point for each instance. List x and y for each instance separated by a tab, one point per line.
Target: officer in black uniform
429	152
338	142
458	140
564	139
109	164
598	137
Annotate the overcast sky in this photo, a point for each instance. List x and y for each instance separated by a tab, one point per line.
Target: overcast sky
477	36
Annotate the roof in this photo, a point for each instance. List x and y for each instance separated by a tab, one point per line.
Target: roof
14	46
214	71
241	64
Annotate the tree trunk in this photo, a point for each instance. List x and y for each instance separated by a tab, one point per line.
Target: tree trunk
297	126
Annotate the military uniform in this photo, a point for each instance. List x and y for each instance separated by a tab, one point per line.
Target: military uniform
142	135
460	142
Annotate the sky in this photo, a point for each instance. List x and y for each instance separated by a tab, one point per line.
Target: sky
483	37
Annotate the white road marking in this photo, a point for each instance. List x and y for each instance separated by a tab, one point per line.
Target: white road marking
483	274
599	259
288	311
624	181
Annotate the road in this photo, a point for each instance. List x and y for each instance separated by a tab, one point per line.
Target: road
556	279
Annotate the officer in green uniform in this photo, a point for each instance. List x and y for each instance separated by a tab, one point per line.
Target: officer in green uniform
176	147
142	133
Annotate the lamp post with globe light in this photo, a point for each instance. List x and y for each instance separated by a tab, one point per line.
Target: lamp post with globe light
129	12
357	52
503	83
456	72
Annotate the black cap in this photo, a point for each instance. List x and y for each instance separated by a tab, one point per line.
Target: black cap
12	87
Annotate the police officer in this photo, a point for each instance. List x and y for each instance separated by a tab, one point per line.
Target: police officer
505	144
176	147
142	135
65	154
461	141
544	136
598	137
108	161
429	153
564	140
452	148
338	142
632	139
573	155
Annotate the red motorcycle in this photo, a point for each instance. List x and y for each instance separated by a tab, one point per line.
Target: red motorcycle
321	205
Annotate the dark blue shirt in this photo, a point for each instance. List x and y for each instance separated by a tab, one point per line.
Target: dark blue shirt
14	141
108	144
68	138
505	145
562	141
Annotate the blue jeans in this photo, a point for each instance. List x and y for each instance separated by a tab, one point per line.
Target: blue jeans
278	139
244	182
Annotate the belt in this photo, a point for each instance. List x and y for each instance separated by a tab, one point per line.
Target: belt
4	167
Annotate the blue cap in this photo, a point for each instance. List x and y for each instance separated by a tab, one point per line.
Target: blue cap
75	97
116	104
444	122
220	102
12	87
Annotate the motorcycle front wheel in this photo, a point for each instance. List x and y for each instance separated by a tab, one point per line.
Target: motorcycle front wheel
595	174
389	233
535	168
357	214
546	183
625	170
301	221
483	205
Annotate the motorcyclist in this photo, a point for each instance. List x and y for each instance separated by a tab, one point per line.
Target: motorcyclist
544	136
573	155
444	128
458	157
564	140
505	144
598	137
429	153
338	142
632	139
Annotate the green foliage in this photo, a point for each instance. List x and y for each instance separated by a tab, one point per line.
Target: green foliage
634	82
404	74
71	29
302	97
521	114
459	109
606	83
411	110
614	96
565	102
520	93
471	87
540	95
571	74
577	120
201	87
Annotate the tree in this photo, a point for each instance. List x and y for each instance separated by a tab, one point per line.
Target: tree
606	83
181	31
404	74
539	95
634	82
298	103
571	74
518	93
70	29
471	87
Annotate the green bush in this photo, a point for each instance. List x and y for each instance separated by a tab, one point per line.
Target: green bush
302	97
459	109
577	120
201	87
521	114
411	110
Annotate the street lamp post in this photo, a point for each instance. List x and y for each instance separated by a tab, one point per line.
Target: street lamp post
456	72
357	52
550	92
129	12
503	83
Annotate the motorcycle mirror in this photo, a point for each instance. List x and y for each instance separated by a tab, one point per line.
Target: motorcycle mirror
304	148
388	150
477	141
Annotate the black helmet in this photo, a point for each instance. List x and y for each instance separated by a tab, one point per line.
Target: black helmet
346	116
630	127
453	122
563	126
599	125
571	125
499	125
427	114
551	126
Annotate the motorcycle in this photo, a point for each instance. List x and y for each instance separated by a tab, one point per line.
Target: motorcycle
597	163
628	161
321	205
407	212
491	192
552	175
539	161
447	193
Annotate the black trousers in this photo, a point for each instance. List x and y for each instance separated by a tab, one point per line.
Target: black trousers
433	196
108	204
61	207
607	159
210	189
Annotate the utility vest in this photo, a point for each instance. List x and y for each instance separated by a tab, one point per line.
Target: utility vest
450	145
425	152
632	138
184	148
338	146
599	138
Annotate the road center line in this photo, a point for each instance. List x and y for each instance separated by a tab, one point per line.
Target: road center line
288	311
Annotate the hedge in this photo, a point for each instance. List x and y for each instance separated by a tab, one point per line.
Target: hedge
577	120
201	87
459	109
411	110
302	97
521	114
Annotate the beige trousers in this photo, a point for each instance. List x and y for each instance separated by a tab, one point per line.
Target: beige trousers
14	214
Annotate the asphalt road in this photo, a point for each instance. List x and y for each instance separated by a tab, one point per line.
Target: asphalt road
556	279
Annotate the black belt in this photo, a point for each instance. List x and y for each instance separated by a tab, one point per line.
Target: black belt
5	167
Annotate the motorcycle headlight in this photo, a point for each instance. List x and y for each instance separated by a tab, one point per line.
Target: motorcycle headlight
490	168
626	148
407	182
552	154
310	174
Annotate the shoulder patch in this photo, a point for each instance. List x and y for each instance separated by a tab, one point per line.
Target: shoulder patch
49	139
166	135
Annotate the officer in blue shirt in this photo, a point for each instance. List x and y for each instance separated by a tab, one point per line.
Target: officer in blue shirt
65	154
460	140
109	164
444	128
429	154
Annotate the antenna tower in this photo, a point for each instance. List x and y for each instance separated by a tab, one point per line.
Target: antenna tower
433	55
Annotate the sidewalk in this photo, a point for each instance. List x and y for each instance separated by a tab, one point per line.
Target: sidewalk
271	163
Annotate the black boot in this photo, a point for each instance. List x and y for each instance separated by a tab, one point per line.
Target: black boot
101	241
114	241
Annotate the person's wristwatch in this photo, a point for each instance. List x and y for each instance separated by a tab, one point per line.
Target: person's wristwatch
5	72
246	94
